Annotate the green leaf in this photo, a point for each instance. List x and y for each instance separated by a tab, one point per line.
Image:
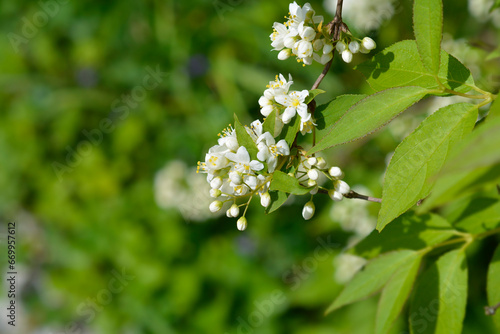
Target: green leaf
408	231
400	65
286	183
269	124
371	278
244	138
479	149
428	27
290	130
492	286
477	215
420	156
438	304
327	114
312	95
278	198
395	294
370	114
494	110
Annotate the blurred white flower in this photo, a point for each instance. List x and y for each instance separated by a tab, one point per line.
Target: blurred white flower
364	15
346	266
177	186
480	9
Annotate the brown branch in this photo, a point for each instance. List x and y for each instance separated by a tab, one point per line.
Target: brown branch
353	194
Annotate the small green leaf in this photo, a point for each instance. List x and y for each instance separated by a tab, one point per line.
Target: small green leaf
428	27
312	95
400	65
244	138
327	114
438	304
492	285
278	198
408	231
269	124
290	130
395	294
420	156
288	184
370	114
371	278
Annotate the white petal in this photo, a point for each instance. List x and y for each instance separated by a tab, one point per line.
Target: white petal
256	165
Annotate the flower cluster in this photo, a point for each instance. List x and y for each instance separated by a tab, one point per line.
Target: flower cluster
302	36
286	104
349	45
232	173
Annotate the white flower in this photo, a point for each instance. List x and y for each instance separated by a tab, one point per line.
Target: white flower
216	183
241	224
368	43
312	161
347	56
236	178
269	150
306	33
303	49
306	127
308	210
294	103
284	54
234	210
265	199
336	172
354	47
313	174
280	31
335	195
228	139
215	159
215	206
242	161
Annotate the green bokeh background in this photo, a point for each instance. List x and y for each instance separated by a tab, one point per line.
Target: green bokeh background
100	217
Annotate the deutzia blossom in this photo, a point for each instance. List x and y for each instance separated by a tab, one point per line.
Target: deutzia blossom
294	102
243	164
269	150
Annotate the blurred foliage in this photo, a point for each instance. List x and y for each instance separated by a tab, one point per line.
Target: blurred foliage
100	217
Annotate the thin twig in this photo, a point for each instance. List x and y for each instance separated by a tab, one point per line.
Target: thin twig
491	310
353	194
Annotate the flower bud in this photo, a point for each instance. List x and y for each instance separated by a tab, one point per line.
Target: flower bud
314	191
347	56
311	183
241	224
327	48
341	46
308	210
289	42
336	172
342	187
216	183
228	213
354	47
215	206
284	54
304	49
235	210
313	174
307	34
321	163
312	161
335	195
318	44
214	193
265	199
368	43
236	178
